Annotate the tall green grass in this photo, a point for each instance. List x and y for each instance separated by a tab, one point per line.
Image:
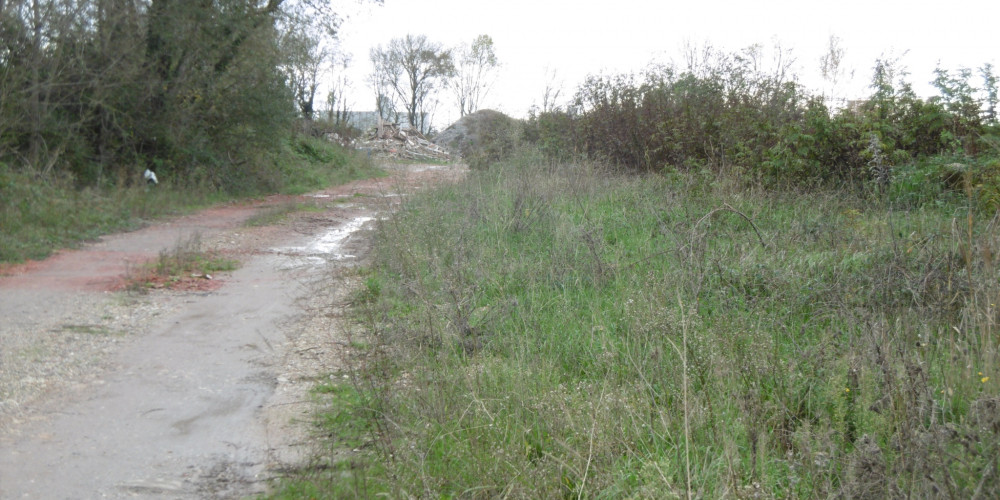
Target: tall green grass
542	331
41	214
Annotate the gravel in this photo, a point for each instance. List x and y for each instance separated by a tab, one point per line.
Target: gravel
53	341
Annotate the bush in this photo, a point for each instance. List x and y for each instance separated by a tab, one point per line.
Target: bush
730	115
554	133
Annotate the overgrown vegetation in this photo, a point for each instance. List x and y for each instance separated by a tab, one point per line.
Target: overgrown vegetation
98	90
560	331
741	114
700	283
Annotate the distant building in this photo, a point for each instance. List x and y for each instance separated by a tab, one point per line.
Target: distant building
363	120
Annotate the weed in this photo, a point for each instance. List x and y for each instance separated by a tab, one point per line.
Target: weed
543	331
181	264
87	329
349	471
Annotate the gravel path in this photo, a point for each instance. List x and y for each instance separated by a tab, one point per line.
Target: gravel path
200	394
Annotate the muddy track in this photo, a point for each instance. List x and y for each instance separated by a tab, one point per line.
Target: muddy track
182	394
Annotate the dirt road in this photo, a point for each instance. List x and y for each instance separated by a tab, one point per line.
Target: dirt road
170	394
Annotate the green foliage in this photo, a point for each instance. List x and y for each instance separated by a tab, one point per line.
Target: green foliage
553	133
194	91
547	330
39	215
957	95
948	180
317	163
497	137
730	113
345	425
727	114
220	106
409	71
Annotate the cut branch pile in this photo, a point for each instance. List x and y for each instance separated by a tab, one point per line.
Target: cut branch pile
393	142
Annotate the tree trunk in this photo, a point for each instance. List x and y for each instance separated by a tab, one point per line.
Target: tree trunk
34	96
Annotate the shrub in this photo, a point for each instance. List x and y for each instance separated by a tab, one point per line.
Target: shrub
729	114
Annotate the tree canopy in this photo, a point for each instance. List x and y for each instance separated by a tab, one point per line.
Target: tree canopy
98	89
410	71
475	73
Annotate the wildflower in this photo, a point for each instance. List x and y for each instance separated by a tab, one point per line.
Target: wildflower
847	389
984	379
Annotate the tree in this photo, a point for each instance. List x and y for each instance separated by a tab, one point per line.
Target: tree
990	89
475	73
883	98
68	72
307	58
338	109
414	69
384	104
831	67
552	90
217	90
94	88
958	96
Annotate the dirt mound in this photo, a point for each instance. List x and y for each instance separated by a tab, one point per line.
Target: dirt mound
474	132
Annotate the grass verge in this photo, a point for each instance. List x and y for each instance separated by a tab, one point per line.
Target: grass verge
542	331
350	467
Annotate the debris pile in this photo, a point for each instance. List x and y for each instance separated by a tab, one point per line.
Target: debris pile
393	142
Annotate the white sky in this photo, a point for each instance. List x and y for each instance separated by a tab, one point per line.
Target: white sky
581	37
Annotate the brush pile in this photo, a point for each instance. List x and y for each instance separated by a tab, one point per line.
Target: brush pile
393	142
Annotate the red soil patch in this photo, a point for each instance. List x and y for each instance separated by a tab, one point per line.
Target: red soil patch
107	264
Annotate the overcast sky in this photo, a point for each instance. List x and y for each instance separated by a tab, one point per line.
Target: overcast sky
576	38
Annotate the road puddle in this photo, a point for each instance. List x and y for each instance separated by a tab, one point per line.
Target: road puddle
426	168
329	245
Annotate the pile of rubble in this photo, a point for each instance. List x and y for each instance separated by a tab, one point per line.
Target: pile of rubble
389	140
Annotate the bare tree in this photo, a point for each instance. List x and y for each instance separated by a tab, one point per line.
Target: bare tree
414	69
551	92
832	68
307	59
338	109
384	104
475	73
